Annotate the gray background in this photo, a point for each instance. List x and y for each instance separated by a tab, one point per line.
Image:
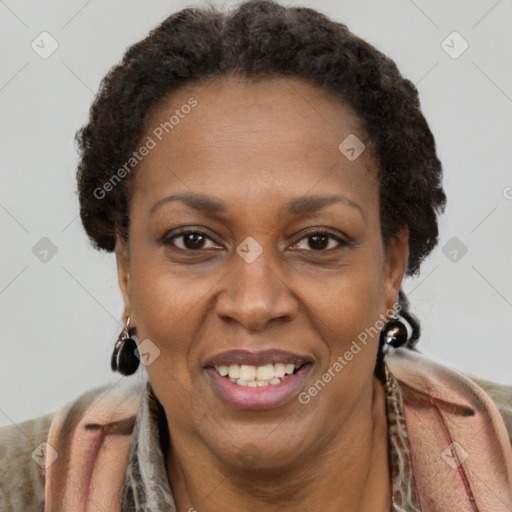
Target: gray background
60	317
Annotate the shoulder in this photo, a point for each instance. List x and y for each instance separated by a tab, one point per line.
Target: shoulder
501	395
416	367
23	445
22	473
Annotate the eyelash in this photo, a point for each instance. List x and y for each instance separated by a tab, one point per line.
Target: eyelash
167	240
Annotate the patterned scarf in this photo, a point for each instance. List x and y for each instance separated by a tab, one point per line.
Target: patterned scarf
147	485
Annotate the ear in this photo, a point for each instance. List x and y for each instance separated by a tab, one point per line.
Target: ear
123	273
397	256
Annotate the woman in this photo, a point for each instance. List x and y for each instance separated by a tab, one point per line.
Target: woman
265	179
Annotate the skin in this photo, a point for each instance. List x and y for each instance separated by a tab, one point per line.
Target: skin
255	146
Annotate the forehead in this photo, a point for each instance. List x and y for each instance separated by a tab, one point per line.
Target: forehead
272	136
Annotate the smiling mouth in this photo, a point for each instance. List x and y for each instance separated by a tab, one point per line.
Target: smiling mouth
258	376
257	380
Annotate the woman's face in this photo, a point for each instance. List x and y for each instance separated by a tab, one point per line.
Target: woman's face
254	242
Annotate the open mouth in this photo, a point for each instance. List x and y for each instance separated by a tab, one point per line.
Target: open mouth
257	380
258	376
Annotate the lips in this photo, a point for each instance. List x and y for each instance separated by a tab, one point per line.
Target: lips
256	358
261	380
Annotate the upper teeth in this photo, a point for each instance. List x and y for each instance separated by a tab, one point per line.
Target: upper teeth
251	373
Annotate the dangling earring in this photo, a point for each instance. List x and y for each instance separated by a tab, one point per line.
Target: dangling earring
395	333
124	358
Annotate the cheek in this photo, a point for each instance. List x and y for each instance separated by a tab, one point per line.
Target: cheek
167	309
347	309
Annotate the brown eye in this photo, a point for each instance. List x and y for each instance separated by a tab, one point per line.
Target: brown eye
188	240
193	241
321	241
318	242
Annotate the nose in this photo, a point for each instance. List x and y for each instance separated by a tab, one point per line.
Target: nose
255	294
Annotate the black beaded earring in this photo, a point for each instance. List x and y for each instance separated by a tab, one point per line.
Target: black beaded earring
125	358
395	333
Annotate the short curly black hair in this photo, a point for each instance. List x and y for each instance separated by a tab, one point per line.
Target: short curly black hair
261	38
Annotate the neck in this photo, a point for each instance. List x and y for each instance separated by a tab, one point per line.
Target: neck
350	473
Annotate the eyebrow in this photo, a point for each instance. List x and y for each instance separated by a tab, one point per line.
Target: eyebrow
297	206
